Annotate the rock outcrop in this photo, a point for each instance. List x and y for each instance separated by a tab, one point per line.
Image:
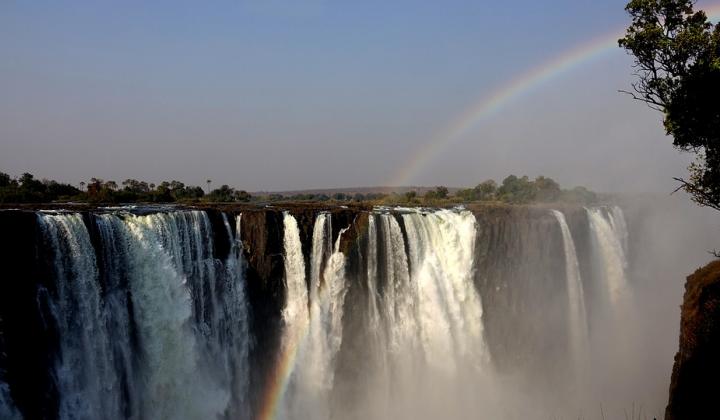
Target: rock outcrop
693	389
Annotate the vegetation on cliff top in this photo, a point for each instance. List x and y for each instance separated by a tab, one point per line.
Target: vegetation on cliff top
677	64
28	189
512	190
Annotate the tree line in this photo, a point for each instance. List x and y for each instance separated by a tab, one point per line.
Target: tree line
512	190
28	189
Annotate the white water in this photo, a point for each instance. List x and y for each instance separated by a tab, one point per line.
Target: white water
373	315
175	386
399	297
442	248
608	233
189	359
234	327
427	337
187	356
312	379
7	408
577	318
617	221
86	380
295	314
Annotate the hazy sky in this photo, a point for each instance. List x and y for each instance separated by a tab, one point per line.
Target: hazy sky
288	94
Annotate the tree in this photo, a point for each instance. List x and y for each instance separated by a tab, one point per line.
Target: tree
517	190
486	190
677	62
547	190
410	196
439	193
579	195
5	179
467	194
226	194
135	186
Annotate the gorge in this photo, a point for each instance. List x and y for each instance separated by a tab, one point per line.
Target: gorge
318	312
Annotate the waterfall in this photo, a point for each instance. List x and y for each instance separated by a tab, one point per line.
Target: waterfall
377	355
7	408
86	379
118	309
147	314
617	221
312	379
233	326
399	296
151	325
295	314
174	385
577	319
442	247
373	314
609	233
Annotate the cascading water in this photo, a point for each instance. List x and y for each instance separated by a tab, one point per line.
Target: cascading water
7	408
399	298
577	318
175	385
151	325
317	331
617	221
154	317
442	247
86	380
233	327
426	330
295	314
609	232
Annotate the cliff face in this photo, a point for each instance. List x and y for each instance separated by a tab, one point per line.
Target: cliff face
519	269
27	341
694	389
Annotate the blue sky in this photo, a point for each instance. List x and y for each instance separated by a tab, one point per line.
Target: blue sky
300	94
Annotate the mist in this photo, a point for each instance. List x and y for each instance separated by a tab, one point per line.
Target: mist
632	269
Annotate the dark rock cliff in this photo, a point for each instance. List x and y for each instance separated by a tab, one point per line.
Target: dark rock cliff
519	270
27	338
693	388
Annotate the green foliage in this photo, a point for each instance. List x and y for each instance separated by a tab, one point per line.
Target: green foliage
226	194
28	189
578	195
5	180
677	62
486	190
546	189
517	190
439	193
522	190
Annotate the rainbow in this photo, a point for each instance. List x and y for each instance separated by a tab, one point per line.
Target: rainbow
279	376
524	84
